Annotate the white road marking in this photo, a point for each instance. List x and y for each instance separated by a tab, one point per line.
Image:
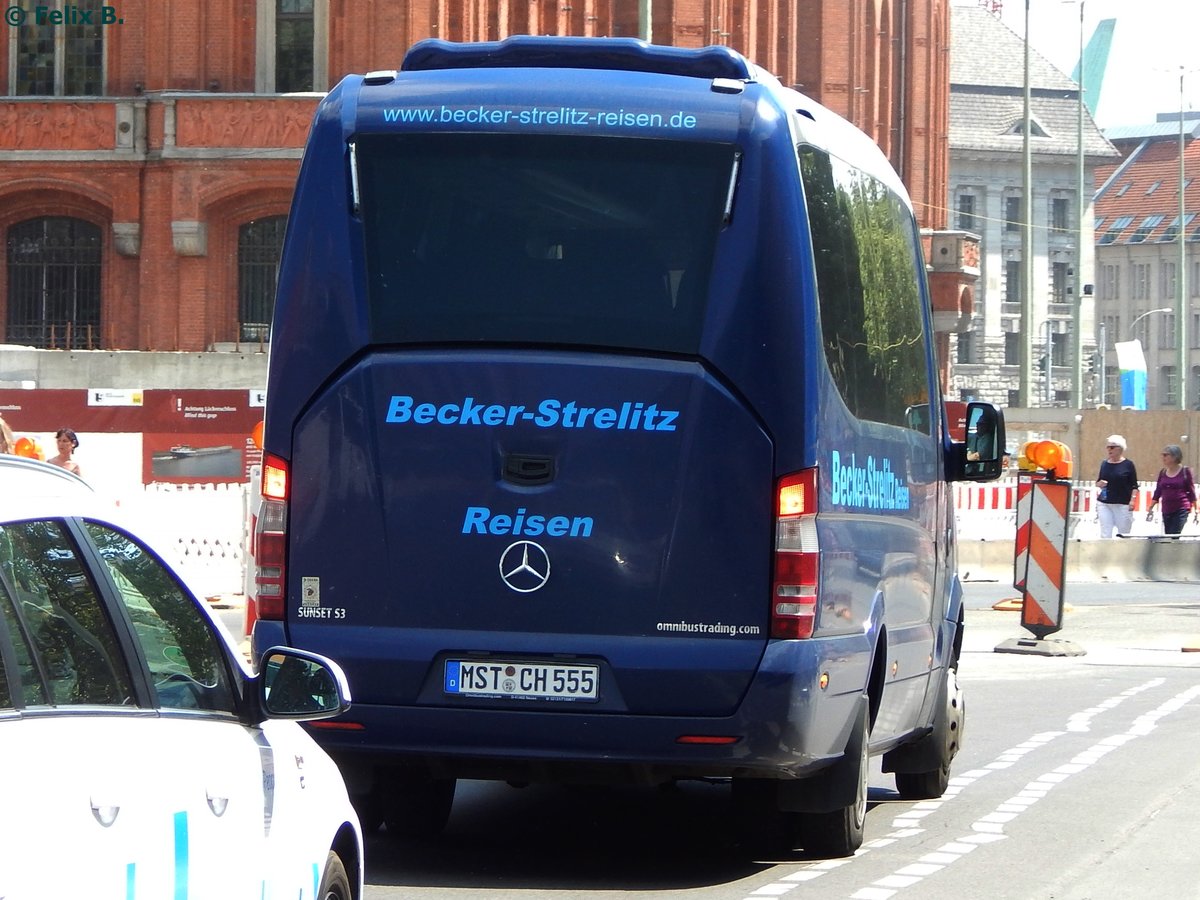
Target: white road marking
989	828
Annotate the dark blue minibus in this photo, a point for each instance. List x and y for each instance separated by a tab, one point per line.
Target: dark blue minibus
604	441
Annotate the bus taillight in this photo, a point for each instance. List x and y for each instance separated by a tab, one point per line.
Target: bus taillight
794	591
274	477
270	540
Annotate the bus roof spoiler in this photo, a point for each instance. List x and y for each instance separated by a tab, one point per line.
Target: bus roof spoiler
530	51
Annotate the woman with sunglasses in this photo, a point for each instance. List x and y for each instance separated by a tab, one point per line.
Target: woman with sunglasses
1117	482
1175	489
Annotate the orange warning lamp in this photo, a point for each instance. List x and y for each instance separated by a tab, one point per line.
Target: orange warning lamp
256	435
1053	456
28	447
1025	461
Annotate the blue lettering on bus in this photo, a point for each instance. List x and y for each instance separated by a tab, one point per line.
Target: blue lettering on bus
481	520
537	116
872	485
549	413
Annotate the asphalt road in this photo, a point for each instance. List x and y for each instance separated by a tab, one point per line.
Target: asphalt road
1076	782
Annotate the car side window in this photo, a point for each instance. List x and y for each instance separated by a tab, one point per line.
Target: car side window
20	675
185	656
58	620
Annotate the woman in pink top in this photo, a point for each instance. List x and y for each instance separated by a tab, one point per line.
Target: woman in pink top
1175	490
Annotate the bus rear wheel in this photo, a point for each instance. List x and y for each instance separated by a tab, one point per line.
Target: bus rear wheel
840	832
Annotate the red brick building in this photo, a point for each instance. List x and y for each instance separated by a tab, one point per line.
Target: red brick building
148	147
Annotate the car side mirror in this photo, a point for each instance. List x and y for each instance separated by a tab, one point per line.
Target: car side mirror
295	684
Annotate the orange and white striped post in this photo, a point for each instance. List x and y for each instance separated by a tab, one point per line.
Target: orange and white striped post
1040	549
1045	557
1021	544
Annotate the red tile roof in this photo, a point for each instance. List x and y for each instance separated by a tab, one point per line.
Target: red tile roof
1147	186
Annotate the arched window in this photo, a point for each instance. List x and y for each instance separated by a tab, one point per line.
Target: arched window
259	244
54	283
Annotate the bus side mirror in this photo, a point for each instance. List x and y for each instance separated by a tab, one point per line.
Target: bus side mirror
981	456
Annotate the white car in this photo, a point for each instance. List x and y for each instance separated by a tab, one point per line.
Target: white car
141	757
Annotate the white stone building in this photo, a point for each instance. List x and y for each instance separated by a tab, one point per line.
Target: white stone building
986	185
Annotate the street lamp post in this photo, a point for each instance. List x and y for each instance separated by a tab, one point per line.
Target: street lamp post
1181	302
1049	387
1025	397
1077	309
1149	312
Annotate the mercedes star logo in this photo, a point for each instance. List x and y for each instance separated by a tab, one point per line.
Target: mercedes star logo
524	566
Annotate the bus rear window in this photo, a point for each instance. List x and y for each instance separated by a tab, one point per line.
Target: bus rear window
540	239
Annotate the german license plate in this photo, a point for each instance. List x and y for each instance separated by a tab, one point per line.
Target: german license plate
522	680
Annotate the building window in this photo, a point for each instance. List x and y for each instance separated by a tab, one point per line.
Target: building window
54	283
1140	281
291	46
1012	213
1112	330
1060	217
50	57
1112	386
1168	390
967	220
1195	332
1118	225
1012	281
1166	280
1143	231
1014	398
1058	283
1166	332
1171	232
1110	282
1012	348
259	245
1058	349
965	350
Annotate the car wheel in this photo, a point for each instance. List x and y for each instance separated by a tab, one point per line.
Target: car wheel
947	734
840	832
416	805
335	883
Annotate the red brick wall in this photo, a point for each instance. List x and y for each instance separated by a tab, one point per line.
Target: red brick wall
193	160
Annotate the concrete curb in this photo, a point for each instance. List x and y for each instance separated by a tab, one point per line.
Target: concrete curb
1119	559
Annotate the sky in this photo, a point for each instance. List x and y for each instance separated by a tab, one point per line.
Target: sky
1151	41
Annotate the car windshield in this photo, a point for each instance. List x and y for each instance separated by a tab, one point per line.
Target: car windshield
550	240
